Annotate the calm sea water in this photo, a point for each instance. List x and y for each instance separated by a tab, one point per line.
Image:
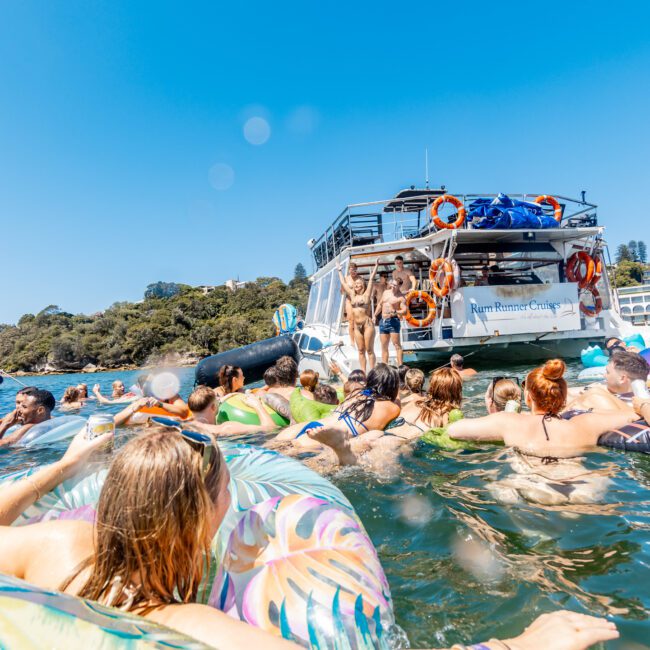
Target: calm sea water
463	560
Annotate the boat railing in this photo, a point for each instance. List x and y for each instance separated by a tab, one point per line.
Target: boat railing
383	221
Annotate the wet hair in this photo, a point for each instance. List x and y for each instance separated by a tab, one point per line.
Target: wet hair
286	371
402	370
445	394
227	376
504	391
42	397
326	394
201	398
309	380
457	361
83	390
358	376
631	363
382	385
152	522
414	380
270	376
351	386
547	387
70	395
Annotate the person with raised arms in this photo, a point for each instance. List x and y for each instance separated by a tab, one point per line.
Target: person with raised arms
118	395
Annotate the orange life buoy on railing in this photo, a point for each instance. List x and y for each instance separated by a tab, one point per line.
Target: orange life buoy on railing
598	270
431	304
557	208
448	283
592	312
574	268
448	198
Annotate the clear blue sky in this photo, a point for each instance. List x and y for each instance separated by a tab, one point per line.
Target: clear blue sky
117	118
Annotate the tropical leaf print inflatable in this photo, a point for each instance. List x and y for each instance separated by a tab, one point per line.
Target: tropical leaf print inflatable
305	569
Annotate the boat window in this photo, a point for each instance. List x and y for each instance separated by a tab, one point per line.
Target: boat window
323	301
315	345
299	339
304	342
313	302
332	315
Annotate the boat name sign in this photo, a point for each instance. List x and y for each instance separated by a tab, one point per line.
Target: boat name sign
477	311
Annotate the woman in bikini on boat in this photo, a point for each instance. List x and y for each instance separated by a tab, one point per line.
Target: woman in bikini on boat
360	297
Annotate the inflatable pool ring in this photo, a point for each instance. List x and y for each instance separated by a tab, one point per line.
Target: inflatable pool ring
574	269
306	410
438	436
645	354
158	410
593	356
234	409
598	270
631	437
431	308
33	618
592	312
553	202
595	373
292	556
441	290
448	198
52	430
636	340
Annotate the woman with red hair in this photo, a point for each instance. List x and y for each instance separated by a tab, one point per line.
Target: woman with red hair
543	432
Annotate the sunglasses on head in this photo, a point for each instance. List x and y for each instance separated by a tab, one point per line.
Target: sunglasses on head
496	380
200	442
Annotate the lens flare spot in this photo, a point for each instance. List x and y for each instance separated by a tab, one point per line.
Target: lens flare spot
257	130
221	176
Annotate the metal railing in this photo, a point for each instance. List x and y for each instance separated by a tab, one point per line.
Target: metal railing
367	223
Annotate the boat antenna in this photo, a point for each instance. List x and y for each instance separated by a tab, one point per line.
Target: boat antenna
426	167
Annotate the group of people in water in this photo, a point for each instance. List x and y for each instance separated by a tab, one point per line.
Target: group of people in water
173	482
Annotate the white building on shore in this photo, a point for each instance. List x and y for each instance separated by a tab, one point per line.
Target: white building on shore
635	303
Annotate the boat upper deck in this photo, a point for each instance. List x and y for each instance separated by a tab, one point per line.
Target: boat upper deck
406	217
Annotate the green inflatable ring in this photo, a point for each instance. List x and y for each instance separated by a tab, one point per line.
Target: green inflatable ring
438	436
234	409
306	410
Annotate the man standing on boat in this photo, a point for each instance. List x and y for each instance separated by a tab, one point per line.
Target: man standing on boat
393	308
378	292
407	280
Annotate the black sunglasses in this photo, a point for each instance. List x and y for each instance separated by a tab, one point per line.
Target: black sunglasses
496	380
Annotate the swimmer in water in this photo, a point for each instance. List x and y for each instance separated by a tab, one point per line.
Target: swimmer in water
71	400
543	432
359	297
503	394
187	497
118	394
616	394
231	380
457	363
33	406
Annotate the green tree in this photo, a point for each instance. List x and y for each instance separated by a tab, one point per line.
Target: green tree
623	253
628	274
299	272
634	251
642	252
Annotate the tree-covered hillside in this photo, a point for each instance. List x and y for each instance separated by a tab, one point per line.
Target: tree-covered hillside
171	319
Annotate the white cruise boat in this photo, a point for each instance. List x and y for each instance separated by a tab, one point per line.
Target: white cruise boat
513	295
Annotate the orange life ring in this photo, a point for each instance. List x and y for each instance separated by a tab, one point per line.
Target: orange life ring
157	410
574	269
448	198
598	270
431	304
592	312
557	208
447	285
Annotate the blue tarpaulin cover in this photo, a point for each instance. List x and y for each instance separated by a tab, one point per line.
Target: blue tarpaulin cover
504	213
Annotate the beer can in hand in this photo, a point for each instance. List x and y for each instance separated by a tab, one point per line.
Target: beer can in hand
99	424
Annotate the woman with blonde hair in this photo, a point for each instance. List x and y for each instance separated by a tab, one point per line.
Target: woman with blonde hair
503	394
162	502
